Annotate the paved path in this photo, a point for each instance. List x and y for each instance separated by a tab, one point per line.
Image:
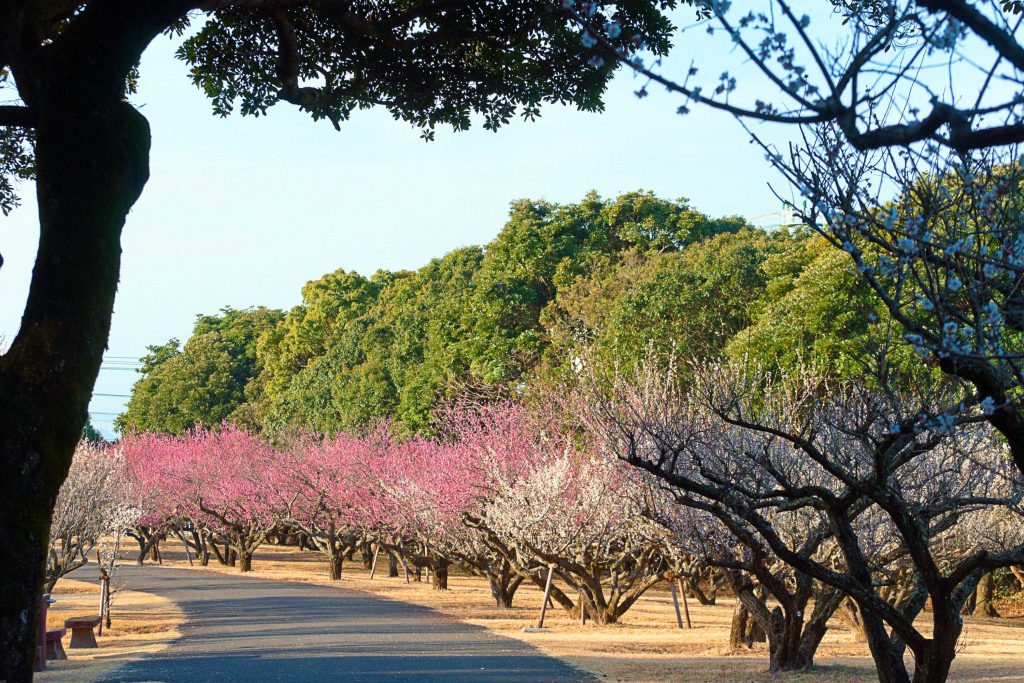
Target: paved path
251	630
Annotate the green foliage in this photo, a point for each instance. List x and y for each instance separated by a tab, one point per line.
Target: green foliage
544	248
202	383
428	63
16	164
608	280
817	311
685	304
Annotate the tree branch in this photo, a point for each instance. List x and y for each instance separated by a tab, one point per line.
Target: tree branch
15	115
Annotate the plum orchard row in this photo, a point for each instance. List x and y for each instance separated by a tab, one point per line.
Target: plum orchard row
499	496
820	498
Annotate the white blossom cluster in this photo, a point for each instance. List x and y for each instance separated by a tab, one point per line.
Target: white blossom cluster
95	502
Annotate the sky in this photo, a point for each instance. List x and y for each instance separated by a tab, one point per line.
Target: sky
243	211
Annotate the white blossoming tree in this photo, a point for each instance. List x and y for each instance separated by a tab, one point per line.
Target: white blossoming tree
95	502
847	484
586	517
906	115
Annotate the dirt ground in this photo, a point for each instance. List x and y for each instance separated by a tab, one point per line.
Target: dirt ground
141	623
647	646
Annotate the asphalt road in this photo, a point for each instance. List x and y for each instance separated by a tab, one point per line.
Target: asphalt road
251	630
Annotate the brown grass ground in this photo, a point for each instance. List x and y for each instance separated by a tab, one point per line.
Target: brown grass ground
647	646
142	623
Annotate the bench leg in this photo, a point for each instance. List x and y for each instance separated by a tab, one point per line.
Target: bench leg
55	650
82	637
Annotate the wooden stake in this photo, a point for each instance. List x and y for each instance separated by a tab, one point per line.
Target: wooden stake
373	567
547	596
104	599
188	553
405	566
686	607
675	603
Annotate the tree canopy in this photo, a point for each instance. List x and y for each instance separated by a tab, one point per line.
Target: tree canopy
204	382
611	279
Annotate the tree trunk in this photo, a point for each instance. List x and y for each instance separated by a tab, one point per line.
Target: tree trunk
92	163
888	658
440	575
244	560
336	559
738	630
392	566
983	597
503	588
755	632
1018	573
557	594
849	614
934	666
146	545
367	554
693	585
221	558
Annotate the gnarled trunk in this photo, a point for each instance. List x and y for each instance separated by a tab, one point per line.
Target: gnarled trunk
244	561
392	566
504	585
439	570
92	164
739	633
337	561
366	553
983	597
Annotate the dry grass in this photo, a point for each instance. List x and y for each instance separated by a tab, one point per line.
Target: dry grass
141	623
647	646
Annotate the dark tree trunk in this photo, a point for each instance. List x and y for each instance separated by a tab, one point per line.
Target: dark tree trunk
221	558
337	560
793	635
392	566
503	588
693	586
147	543
755	632
92	164
440	575
539	579
888	657
244	561
202	548
367	554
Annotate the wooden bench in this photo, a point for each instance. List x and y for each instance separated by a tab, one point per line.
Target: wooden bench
54	649
81	631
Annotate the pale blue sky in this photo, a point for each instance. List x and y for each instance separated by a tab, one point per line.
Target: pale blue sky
243	211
